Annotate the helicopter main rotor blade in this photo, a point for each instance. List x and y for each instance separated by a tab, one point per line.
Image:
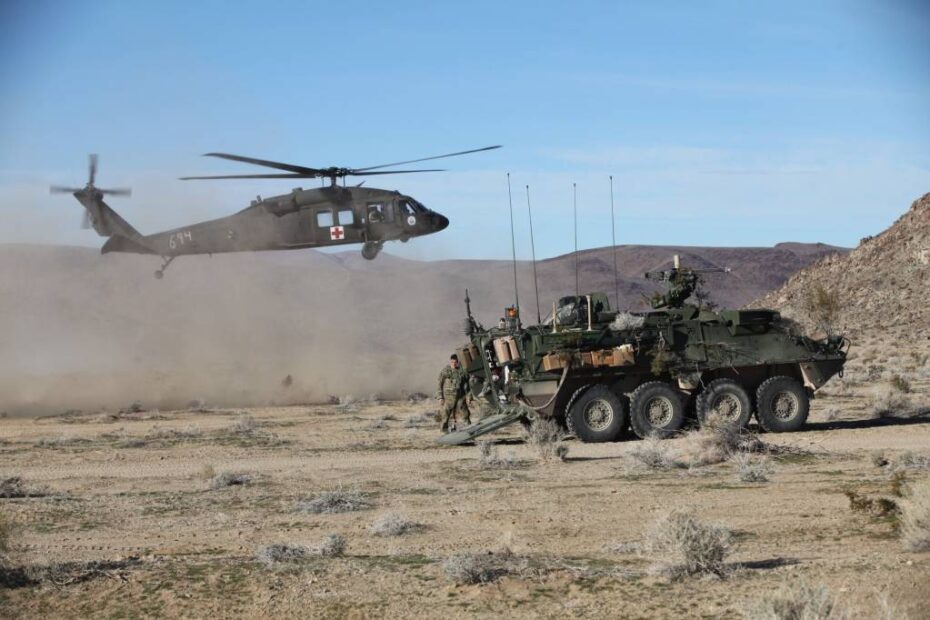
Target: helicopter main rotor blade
359	173
413	161
310	172
252	176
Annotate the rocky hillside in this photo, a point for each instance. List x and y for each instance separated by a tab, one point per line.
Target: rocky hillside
881	286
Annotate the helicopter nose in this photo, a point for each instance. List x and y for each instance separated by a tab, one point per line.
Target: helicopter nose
440	222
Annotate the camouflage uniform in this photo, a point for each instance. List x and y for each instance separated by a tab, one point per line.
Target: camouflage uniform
453	384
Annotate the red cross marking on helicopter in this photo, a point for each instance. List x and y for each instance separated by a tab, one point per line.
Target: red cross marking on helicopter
336	233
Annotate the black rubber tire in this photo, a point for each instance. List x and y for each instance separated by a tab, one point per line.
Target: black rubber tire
711	396
571	401
370	250
789	392
609	406
643	397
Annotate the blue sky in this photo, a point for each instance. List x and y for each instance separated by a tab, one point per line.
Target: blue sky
723	123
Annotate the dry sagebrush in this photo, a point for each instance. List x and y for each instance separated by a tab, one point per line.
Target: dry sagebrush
393	524
680	545
340	500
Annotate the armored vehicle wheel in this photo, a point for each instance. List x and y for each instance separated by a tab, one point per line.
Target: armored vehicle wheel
782	405
656	410
724	400
598	415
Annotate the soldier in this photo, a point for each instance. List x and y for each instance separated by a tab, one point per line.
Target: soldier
453	385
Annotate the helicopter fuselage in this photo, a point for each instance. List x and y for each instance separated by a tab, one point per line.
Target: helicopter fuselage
303	218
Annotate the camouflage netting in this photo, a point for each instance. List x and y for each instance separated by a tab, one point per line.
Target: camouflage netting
886	279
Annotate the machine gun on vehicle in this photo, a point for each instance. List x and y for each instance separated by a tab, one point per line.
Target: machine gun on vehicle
682	282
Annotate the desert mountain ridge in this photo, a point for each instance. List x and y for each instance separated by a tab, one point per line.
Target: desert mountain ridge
883	285
84	330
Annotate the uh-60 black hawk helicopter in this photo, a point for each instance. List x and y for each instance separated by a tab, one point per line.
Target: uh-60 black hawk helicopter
305	218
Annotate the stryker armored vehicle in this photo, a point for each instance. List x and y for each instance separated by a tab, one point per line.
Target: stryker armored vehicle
599	372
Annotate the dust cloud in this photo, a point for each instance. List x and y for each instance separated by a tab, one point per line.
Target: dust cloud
85	331
80	330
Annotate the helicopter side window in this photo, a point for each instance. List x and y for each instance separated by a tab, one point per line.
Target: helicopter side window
346	217
375	212
324	219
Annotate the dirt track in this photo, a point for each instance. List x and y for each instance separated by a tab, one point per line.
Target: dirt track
138	485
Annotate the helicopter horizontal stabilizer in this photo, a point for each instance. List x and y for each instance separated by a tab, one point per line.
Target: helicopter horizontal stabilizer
119	243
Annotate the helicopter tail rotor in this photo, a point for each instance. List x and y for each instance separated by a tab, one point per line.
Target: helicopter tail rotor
90	195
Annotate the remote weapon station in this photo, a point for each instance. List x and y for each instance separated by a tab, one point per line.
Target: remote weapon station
304	218
598	372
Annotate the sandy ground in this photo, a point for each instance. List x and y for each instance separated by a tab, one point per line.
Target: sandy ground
136	486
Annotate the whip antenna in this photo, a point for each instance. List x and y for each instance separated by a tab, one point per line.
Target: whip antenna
533	250
575	216
513	249
613	238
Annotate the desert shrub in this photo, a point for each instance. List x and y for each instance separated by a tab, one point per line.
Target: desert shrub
879	459
6	533
340	500
475	568
873	506
909	460
900	384
717	440
915	519
423	419
750	469
244	424
230	479
174	434
393	524
624	548
378	425
655	453
822	306
889	403
416	397
489	457
130	442
15	487
333	546
679	545
545	437
796	601
281	552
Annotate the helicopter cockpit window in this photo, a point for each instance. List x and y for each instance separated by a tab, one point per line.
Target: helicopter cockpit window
324	219
409	206
406	208
346	217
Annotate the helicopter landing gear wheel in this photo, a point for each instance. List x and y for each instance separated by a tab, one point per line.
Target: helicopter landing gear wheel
160	273
371	249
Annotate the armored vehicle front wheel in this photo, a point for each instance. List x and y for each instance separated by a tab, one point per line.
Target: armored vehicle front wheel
656	410
598	415
782	405
726	401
